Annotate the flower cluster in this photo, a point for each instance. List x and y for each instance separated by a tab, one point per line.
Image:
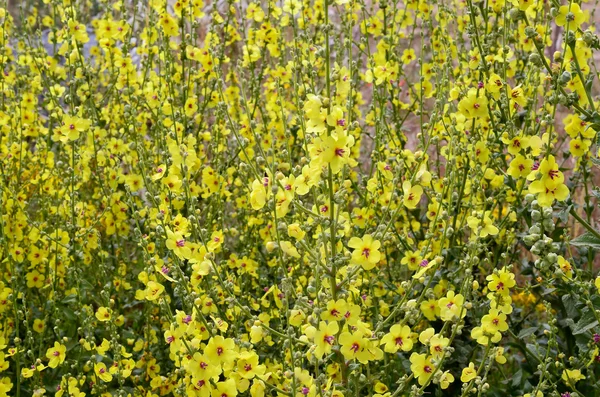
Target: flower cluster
299	198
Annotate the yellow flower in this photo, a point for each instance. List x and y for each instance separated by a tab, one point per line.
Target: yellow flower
34	279
494	85
495	320
56	355
481	152
430	309
258	387
336	119
173	182
474	58
366	251
445	379
102	372
451	306
324	338
220	350
247	365
380	388
408	56
549	172
474	105
202	368
422	367
570	15
565	267
254	12
397	339
177	243
412	194
538	394
78	31
337	151
296	317
519	167
499	355
492	324
437	343
294	230
310	177
425	265
289	249
153	290
260	193
501	281
215	241
71	128
468	373
38	325
572	376
335	310
412	259
579	147
516	144
191	107
103	314
547	194
159	172
517	98
251	53
485	225
382	73
356	346
168	24
27	372
103	347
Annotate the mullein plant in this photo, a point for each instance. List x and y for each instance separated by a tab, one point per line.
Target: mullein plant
299	198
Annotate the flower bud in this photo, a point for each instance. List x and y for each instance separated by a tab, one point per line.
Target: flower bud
557	56
564	78
271	246
535	59
516	14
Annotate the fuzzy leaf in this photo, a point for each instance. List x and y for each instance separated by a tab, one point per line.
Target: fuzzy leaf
586	240
585	323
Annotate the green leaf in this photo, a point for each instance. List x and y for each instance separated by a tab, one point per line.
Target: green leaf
547	291
572	304
596	301
69	299
586	240
563	215
534	351
585	323
526	332
582	341
517	378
